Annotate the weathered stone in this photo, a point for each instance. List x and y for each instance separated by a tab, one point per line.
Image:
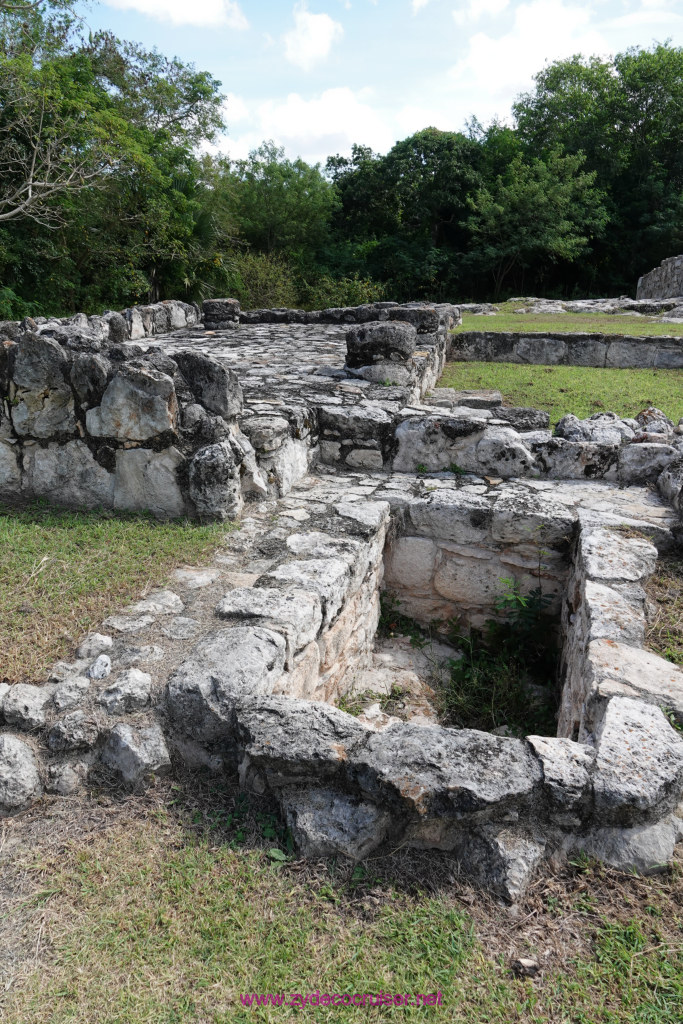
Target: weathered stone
523	419
70	693
224	667
180	627
501	452
196	579
380	342
89	376
410	562
215	481
76	731
646	849
161	602
10	472
607	556
639	763
602	428
40	364
329	577
521	518
670	483
503	860
136	754
295	613
24	705
44	413
644	463
147	479
619	668
325	823
101	667
66	778
139	404
452	515
68	474
131	692
128	623
566	771
213	385
611	617
20	783
364	458
93	645
266	433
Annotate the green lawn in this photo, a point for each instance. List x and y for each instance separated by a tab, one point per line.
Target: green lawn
569	323
577	389
172	915
62	572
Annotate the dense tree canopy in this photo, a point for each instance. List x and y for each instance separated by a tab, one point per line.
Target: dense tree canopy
109	194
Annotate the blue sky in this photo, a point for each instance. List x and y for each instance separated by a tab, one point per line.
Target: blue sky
318	75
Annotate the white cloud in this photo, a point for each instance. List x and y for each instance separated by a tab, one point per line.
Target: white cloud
180	12
311	128
495	70
417	5
311	39
476	9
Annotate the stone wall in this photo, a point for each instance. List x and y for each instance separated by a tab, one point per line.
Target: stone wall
600	350
665	281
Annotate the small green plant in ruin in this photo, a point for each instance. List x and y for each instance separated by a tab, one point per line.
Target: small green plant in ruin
506	675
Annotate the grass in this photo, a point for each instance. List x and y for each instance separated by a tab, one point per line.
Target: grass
665	622
154	915
62	572
577	389
508	319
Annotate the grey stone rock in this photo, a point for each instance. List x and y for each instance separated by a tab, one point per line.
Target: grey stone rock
567	770
10	472
325	823
219	312
214	481
328	577
502	453
380	342
611	616
89	376
293	741
130	656
644	463
24	705
94	645
602	428
70	693
128	623
68	474
66	778
161	602
137	405
639	763
670	483
606	556
20	784
76	731
180	627
40	364
43	414
223	667
131	692
619	669
654	421
101	667
532	518
437	772
646	849
4	689
213	385
147	479
523	419
504	860
295	613
452	515
136	754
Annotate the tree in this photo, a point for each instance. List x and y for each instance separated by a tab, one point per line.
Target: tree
539	212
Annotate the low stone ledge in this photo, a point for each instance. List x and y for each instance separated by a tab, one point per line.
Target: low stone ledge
556	349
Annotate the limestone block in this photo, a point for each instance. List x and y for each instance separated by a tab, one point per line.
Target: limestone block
646	849
70	692
364	458
574	460
614	667
161	602
380	342
296	613
225	666
502	453
452	515
605	555
215	481
44	413
40	364
68	474
76	731
302	678
20	783
643	463
25	705
10	473
131	692
566	771
610	616
286	466
325	823
146	479
469	576
409	563
135	754
89	375
639	763
669	483
502	859
547	351
140	403
266	433
212	383
520	518
635	353
328	577
602	428
135	323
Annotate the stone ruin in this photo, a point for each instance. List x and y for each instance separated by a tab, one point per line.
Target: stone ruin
665	281
352	472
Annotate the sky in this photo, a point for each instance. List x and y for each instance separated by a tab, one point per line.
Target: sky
315	76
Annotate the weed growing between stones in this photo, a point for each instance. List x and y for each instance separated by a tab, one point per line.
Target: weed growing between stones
505	680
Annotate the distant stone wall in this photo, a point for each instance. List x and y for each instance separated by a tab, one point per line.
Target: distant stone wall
601	350
664	282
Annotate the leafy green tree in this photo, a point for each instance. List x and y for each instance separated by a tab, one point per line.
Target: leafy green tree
536	213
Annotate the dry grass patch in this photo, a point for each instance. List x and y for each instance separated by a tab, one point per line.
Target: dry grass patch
171	907
665	621
62	572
